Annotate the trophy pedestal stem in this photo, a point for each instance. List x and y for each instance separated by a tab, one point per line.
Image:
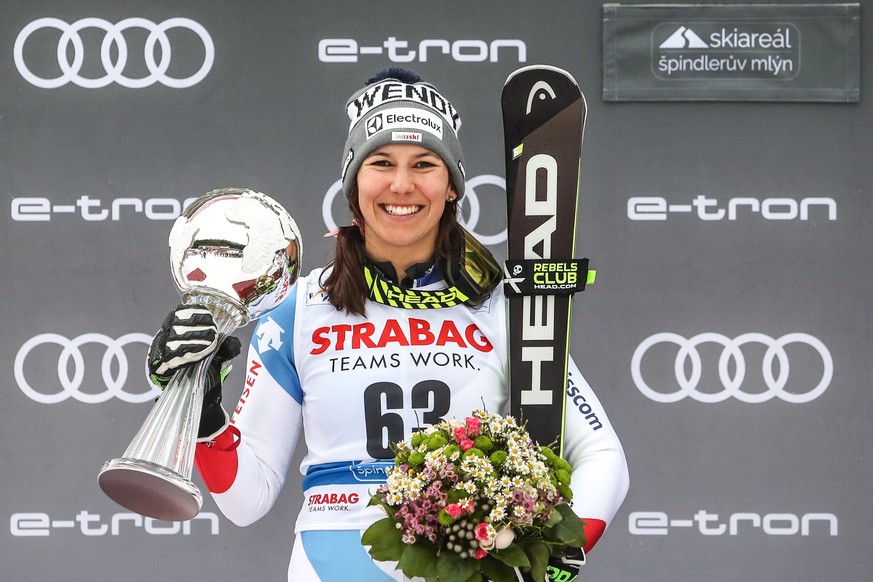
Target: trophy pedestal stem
153	476
150	489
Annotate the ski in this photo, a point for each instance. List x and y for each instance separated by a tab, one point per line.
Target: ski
544	115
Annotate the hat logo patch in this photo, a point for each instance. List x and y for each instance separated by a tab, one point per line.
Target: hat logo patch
408	118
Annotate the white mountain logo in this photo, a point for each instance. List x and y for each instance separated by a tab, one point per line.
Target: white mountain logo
683	38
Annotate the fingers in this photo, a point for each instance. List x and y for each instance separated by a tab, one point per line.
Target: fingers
229	349
189	335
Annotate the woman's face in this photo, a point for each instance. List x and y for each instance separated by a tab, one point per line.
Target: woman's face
402	192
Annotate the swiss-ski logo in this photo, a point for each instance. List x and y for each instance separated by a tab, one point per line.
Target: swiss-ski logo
269	335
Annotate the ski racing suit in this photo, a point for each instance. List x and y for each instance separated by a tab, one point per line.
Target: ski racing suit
353	384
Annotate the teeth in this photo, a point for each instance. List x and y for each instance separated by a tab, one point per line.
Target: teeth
401	210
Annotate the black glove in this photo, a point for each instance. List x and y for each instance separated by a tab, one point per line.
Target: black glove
213	418
188	335
564	568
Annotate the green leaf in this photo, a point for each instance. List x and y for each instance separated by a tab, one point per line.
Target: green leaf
496	571
451	568
512	556
379	529
377	500
385	540
419	559
539	553
569	530
555	517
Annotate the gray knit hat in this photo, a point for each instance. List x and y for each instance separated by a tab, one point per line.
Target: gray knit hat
397	107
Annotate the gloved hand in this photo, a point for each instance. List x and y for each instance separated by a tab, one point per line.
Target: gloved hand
565	568
187	335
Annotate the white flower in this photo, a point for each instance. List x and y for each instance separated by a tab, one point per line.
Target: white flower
504	538
496	514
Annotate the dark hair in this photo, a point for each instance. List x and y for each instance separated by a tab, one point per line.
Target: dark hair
346	286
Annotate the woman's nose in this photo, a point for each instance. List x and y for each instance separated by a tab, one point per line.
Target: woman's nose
402	180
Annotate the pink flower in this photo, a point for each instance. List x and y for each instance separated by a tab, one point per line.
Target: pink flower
466	444
454	510
480	553
472	426
460	434
481	532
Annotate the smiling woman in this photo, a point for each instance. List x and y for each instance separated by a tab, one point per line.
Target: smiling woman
403	174
405	328
402	193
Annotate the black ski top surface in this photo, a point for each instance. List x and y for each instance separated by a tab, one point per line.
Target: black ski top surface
543	120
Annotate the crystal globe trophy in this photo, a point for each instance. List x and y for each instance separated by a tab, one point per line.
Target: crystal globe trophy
237	253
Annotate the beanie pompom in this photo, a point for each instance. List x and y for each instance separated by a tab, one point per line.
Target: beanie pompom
398	73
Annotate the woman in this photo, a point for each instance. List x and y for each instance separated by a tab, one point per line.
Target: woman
406	326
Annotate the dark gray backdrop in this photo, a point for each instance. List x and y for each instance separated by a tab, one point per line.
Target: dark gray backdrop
268	114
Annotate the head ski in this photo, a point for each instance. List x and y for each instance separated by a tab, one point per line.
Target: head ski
543	121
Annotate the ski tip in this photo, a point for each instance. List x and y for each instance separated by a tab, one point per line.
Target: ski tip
540	68
592	276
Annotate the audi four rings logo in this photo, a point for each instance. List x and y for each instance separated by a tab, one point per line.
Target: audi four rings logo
471	207
157	35
732	354
71	385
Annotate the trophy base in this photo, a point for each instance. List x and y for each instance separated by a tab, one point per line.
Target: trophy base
150	489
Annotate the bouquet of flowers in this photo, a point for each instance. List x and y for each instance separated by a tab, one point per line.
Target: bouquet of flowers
472	499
